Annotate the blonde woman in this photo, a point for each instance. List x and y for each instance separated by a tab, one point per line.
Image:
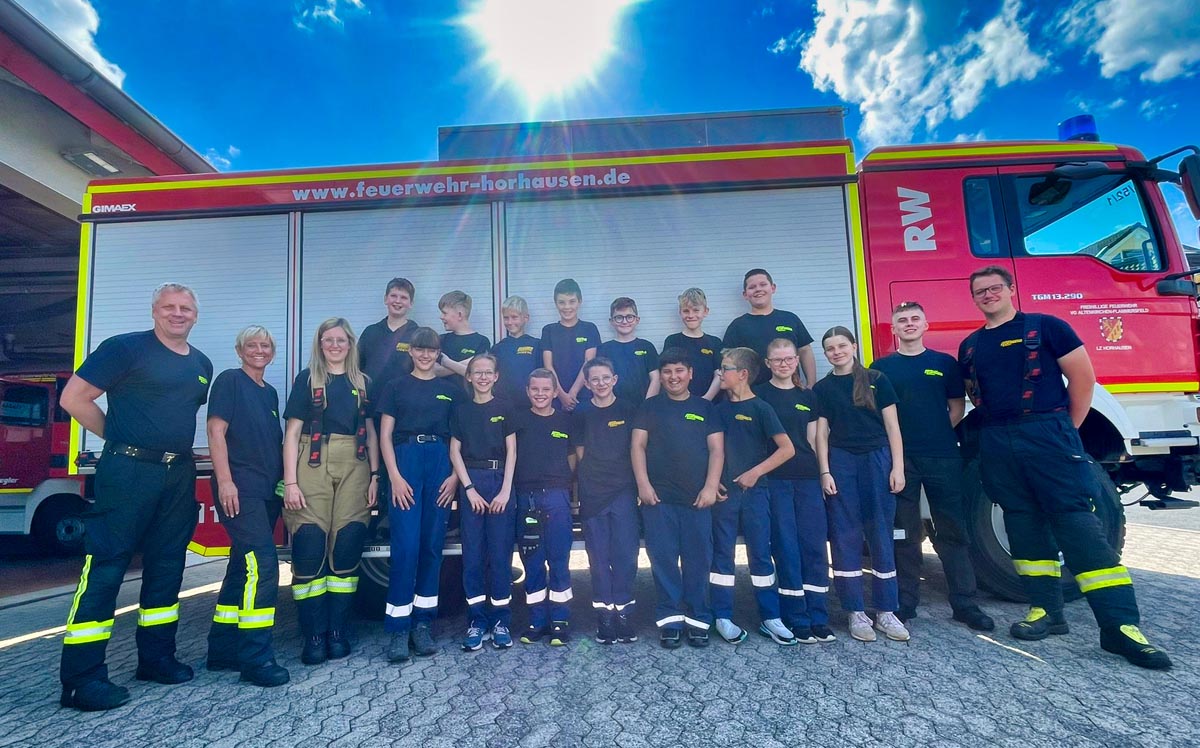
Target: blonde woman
330	476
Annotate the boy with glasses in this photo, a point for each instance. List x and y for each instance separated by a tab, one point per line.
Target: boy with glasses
633	360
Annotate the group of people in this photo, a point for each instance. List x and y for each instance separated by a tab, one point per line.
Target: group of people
684	449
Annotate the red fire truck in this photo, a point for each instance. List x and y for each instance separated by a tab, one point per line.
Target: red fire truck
650	206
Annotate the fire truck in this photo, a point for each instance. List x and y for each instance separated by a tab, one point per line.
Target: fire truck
647	207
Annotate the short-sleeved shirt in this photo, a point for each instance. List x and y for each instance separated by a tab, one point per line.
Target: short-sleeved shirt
756	331
632	363
750	430
515	359
704	353
153	392
567	346
458	347
341	404
606	470
383	352
254	438
1000	365
482	428
420	406
795	408
677	434
923	384
854	429
544	444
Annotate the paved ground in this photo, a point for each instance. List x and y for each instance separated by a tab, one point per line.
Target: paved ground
948	687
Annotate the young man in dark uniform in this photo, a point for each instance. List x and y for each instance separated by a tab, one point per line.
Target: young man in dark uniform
763	323
931	403
145	489
383	347
677	449
1034	466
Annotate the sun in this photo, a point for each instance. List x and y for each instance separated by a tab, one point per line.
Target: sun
546	48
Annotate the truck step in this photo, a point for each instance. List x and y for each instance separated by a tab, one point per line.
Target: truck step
1169	502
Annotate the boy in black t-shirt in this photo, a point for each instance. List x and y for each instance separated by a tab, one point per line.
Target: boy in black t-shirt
763	323
755	444
383	346
704	350
568	343
608	500
517	354
460	342
633	360
677	451
546	440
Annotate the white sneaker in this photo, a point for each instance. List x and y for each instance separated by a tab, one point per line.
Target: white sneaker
777	632
891	627
730	631
860	627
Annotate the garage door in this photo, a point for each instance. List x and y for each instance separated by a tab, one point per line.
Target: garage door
652	248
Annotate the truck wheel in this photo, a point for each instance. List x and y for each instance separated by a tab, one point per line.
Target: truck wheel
58	525
989	541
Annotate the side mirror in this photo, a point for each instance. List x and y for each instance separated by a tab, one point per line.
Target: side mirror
1189	176
1176	287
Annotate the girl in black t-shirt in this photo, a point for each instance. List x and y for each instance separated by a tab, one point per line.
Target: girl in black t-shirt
483	451
861	462
330	464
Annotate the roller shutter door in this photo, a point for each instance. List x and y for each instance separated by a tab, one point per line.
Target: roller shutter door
652	248
237	266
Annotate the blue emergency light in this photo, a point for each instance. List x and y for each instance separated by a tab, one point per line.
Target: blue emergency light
1079	127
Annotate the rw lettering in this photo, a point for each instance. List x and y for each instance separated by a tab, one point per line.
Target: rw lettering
917	219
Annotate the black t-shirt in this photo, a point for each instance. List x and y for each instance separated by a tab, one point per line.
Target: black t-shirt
704	353
383	352
515	358
460	347
543	445
1000	365
420	406
852	428
795	408
153	392
341	404
254	438
632	363
482	427
923	384
567	346
677	434
750	428
605	470
756	331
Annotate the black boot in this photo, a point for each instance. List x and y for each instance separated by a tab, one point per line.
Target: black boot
167	671
94	696
1039	624
1129	642
315	650
267	675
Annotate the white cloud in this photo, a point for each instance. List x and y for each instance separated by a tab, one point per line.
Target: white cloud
76	23
970	137
1160	38
880	56
1154	108
222	160
309	13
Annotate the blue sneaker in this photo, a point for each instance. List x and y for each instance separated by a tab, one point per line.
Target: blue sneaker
501	639
473	641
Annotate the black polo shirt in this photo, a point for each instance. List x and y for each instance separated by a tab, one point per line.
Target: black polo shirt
482	428
383	352
254	438
568	346
420	406
632	363
515	359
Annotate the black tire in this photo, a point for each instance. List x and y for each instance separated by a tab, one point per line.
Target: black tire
989	543
58	525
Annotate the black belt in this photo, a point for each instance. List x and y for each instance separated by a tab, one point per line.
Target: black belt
419	439
483	464
147	455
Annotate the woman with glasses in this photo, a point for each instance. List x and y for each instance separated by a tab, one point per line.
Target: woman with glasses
415	421
483	451
799	530
330	472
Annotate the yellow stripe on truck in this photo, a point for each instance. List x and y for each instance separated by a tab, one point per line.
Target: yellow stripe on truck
991	150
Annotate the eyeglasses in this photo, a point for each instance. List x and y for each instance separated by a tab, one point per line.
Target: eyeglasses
335	342
725	367
598	381
482	373
783	360
624	318
979	293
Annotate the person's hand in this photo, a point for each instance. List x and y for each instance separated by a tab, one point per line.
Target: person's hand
706	498
373	491
446	491
227	495
292	498
648	497
896	479
478	505
567	400
747	479
500	503
722	492
828	486
402	493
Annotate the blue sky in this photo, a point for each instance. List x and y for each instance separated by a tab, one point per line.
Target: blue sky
286	83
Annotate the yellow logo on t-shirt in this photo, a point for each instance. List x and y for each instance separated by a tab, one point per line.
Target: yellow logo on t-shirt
805	408
203	379
275	413
402	347
445	397
469	350
525	349
783	328
640	353
1007	343
693	417
706	351
742	417
559	435
933	373
614	424
581	340
497	419
354	392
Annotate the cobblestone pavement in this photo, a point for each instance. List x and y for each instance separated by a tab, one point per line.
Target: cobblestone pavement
947	687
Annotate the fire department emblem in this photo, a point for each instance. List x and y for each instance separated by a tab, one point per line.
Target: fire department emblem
1112	328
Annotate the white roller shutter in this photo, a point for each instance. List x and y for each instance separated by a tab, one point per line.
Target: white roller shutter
237	266
348	258
652	248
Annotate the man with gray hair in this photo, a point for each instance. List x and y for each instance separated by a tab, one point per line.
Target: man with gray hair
145	494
